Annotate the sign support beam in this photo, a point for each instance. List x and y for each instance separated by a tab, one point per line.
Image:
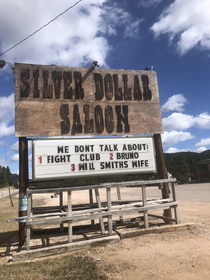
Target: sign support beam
162	170
23	185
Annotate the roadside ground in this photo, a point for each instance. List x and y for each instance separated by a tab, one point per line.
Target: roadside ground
170	256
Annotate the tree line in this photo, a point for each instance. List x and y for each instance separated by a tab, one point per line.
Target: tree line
184	166
5	177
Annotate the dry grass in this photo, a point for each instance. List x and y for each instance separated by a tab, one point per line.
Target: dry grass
68	267
7	230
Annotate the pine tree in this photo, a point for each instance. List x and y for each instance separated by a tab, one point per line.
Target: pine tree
179	169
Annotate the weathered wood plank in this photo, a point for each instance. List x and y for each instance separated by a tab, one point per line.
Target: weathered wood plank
109	208
90	204
144	198
162	217
99	209
64	248
111	185
100	215
69	215
28	230
168	228
119	199
45	96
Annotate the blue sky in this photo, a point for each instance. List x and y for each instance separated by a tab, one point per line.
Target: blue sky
173	36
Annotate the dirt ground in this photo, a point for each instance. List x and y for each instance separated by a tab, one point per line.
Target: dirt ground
181	255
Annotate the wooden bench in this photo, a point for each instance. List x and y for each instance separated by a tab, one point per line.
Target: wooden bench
90	211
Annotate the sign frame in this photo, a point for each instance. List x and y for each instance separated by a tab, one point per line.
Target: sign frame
118	164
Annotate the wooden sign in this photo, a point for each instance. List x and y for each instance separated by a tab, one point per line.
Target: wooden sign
66	101
65	158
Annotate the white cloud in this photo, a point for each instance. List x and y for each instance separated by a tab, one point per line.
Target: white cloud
188	21
6	130
149	3
201	149
173	137
7	108
172	150
203	121
3	161
132	30
7	114
2	143
180	121
15	157
15	147
30	159
72	39
177	121
75	39
203	142
113	17
175	103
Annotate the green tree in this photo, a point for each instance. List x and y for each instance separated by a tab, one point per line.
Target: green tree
195	172
179	169
3	177
16	184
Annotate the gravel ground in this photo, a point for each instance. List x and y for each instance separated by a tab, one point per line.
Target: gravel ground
181	255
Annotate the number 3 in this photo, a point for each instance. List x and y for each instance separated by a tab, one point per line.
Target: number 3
73	167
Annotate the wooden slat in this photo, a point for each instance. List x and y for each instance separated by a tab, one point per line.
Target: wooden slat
162	217
103	214
61	205
90	204
119	199
99	206
69	216
109	206
111	185
63	248
175	207
28	230
144	198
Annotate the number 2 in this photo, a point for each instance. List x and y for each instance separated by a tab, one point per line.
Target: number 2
111	156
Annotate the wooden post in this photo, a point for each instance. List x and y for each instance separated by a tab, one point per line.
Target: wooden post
109	208
99	206
144	198
91	202
29	219
175	207
61	204
119	198
23	185
69	215
10	198
162	171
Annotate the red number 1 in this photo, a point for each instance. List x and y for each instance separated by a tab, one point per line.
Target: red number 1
40	159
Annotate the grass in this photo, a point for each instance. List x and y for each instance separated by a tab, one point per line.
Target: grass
68	267
7	230
65	268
